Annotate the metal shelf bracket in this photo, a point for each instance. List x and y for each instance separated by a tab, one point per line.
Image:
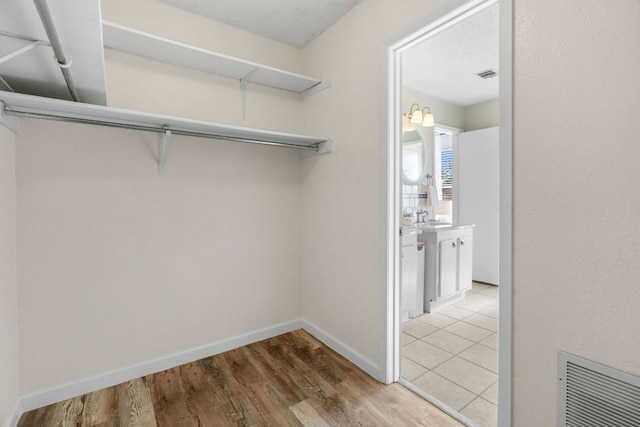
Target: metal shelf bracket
243	90
162	149
23	50
321	148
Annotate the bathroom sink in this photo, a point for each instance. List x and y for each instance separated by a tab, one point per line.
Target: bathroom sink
434	224
409	230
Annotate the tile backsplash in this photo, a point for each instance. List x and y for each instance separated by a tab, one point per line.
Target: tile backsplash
414	199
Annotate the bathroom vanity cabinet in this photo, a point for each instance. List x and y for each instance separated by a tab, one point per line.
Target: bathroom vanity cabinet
448	266
409	288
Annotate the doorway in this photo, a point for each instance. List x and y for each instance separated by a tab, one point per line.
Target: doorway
394	196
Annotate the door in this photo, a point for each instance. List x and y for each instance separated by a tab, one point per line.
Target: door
409	274
465	260
447	270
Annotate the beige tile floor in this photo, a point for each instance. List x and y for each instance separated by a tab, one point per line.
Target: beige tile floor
452	354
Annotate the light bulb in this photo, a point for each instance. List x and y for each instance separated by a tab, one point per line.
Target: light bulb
416	117
428	121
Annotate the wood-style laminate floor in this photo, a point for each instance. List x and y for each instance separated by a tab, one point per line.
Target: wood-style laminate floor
289	380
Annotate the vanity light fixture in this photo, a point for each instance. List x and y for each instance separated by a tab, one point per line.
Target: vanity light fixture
407	126
415	116
420	116
427	118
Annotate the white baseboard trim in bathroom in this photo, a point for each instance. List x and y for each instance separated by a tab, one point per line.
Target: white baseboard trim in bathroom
108	379
13	418
344	350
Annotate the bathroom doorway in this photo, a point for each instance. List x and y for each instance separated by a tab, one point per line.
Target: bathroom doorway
449	354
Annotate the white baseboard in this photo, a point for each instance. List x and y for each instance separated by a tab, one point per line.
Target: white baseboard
108	379
13	418
344	350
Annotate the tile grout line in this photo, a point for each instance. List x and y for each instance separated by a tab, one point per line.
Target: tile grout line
453	355
473	341
474	399
476	395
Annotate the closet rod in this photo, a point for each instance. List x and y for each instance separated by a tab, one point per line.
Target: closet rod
18	113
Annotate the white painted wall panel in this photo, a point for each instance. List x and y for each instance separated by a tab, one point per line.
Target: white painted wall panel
9	386
156	17
575	272
577	199
342	201
482	115
119	265
477	195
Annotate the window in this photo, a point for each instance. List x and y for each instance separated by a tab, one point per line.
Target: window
444	174
446	170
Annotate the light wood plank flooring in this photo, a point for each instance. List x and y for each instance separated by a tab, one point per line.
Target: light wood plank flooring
289	380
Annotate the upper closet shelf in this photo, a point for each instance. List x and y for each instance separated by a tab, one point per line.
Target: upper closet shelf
155	47
20	105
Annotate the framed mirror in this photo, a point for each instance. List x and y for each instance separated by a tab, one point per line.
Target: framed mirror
417	158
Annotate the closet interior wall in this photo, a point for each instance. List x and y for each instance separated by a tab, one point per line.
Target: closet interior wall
8	285
119	265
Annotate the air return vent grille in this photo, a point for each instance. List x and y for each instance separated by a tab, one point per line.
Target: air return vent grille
487	74
593	395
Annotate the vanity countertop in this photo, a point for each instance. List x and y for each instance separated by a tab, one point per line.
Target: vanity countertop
410	230
427	227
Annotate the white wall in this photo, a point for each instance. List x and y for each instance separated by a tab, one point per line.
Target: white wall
576	269
477	194
8	286
575	274
342	200
482	115
119	265
142	84
155	17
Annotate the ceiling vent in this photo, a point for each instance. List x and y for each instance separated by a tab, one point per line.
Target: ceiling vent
487	74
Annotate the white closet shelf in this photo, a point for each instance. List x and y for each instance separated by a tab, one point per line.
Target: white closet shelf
147	45
20	105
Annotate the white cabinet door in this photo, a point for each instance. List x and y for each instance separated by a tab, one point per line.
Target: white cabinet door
409	273
419	308
465	262
448	267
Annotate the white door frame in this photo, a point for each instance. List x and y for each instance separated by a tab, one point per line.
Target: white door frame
390	331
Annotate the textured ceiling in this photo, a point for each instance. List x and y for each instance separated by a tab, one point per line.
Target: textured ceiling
445	64
294	22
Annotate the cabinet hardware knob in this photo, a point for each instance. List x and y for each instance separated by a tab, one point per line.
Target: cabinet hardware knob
453	244
461	242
